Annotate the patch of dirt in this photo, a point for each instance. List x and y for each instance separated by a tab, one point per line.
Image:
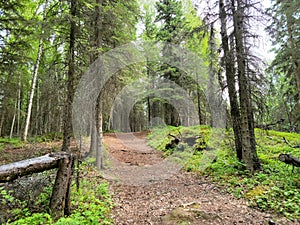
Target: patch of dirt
30	150
132	149
183	198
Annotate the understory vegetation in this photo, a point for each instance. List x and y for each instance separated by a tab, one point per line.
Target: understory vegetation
91	203
274	188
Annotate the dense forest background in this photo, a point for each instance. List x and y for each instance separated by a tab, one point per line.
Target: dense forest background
48	45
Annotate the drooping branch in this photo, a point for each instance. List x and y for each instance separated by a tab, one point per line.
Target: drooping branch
292	146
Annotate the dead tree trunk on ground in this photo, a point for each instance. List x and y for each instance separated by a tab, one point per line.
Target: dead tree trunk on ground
290	160
60	199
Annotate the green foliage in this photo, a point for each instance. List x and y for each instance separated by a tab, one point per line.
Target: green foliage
170	15
6	197
52	136
91	204
283	98
34	219
10	143
275	187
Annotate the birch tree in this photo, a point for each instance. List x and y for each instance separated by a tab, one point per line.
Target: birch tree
35	72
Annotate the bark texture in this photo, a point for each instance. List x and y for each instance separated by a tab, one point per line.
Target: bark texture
60	199
14	170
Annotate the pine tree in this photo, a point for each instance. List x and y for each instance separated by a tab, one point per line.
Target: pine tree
236	62
171	30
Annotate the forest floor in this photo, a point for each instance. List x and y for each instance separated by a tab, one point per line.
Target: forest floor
183	198
13	153
177	198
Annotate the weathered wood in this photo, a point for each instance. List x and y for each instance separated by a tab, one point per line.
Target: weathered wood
173	143
14	170
60	202
289	159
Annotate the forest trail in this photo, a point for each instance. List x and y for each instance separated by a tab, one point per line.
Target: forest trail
183	198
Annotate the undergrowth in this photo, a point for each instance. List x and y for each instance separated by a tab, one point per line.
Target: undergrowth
12	143
16	142
275	188
91	204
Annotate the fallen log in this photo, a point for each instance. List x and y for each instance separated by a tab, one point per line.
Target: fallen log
14	170
290	160
60	198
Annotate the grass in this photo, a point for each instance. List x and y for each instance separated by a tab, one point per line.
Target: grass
275	188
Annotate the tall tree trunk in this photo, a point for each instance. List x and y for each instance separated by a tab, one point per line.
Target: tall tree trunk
34	80
230	77
148	97
19	106
214	102
99	144
199	103
37	110
294	53
13	122
249	151
67	124
99	107
96	148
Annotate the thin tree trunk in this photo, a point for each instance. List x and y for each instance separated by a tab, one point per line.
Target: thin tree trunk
13	122
99	144
148	97
99	119
37	110
199	103
19	106
34	80
1	123
214	109
93	144
67	124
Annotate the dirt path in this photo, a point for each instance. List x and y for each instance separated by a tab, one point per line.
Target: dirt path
182	198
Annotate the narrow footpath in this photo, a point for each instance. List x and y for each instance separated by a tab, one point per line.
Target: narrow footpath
179	198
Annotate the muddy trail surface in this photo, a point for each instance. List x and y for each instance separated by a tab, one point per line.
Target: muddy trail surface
177	198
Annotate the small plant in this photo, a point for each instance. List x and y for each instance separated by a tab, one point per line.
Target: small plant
91	204
10	143
275	188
